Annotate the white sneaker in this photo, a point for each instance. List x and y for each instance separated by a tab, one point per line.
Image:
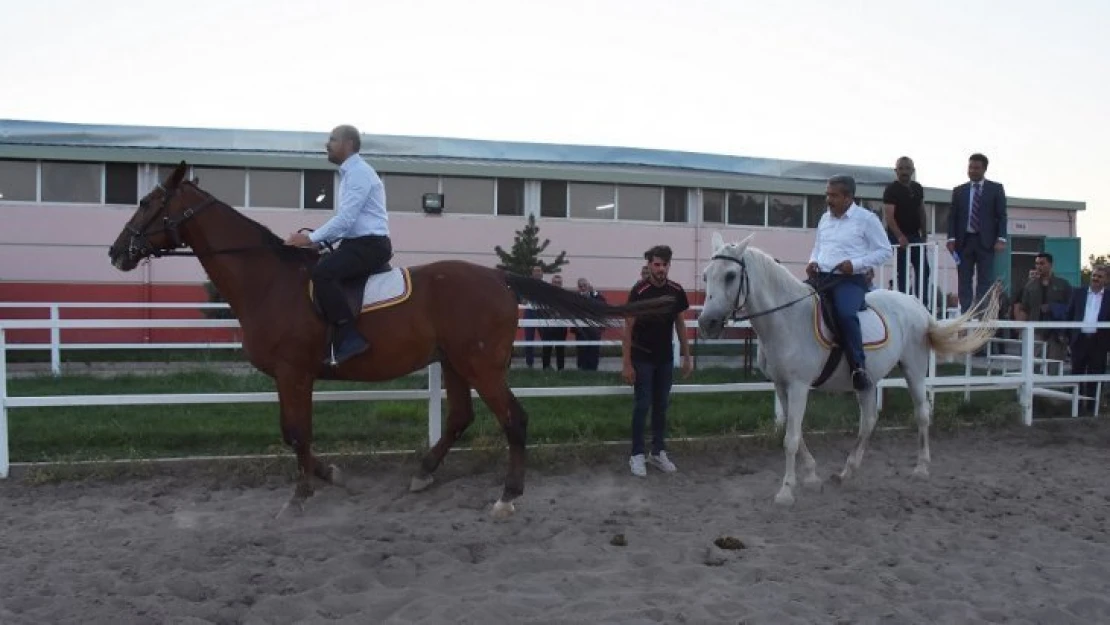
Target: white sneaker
636	463
662	463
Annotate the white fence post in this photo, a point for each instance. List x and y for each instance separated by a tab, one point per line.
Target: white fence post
3	406
1026	398
55	341
435	403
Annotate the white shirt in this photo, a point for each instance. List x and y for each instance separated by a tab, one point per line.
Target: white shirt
1090	313
361	209
857	235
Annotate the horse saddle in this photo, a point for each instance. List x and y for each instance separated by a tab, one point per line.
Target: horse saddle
827	331
384	287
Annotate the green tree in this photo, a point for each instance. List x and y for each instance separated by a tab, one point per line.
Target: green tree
526	252
1092	260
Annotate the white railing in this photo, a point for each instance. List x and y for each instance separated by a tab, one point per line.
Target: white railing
1026	381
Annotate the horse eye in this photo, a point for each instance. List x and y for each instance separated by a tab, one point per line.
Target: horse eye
730	276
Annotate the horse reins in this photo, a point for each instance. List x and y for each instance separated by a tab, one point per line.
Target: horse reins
745	288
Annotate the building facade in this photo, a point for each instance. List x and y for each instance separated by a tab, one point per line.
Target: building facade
66	191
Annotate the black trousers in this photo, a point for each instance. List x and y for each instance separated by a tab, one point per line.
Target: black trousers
1088	356
352	259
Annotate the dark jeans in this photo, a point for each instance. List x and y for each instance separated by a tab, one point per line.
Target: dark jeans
587	356
353	258
917	257
1088	357
848	293
976	262
652	390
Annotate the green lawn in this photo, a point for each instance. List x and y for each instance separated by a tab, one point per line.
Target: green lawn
104	432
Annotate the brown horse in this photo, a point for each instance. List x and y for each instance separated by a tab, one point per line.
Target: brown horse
459	314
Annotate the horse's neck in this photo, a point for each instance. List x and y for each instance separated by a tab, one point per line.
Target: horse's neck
243	279
776	327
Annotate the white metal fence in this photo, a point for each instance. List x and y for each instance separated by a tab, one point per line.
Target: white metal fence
1025	380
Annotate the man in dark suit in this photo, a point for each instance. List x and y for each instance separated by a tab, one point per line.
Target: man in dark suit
976	230
1089	345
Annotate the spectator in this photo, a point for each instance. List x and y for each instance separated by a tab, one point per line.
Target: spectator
530	313
557	333
976	230
1045	298
904	206
1089	345
588	356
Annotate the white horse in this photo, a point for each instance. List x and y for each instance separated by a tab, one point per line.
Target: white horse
795	345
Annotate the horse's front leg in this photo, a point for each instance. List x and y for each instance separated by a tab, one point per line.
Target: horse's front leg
796	397
295	399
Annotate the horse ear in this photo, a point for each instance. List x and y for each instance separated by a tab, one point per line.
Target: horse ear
178	174
743	245
718	242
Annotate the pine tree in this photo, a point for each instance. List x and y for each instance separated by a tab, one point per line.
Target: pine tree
526	252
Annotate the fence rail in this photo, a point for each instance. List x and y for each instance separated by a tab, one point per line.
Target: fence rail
1025	380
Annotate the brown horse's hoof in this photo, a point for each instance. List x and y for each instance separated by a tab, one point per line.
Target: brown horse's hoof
420	482
336	477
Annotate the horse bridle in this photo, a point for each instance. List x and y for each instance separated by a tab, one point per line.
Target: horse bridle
743	290
139	245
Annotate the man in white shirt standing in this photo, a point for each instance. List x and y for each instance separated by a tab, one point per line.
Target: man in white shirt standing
361	226
1089	344
850	241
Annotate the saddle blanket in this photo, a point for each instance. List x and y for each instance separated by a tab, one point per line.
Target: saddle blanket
872	324
386	289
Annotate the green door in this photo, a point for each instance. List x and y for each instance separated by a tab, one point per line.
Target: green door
1066	257
1002	266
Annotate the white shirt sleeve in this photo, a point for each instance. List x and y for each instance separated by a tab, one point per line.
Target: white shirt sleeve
877	242
355	191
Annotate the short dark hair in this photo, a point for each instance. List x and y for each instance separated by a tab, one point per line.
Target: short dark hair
659	251
980	158
348	132
847	183
1046	256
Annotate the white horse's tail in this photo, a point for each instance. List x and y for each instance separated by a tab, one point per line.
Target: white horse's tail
951	338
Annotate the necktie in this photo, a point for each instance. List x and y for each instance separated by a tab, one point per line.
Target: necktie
974	220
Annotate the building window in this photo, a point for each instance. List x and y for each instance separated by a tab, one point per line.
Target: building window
713	206
121	183
319	189
553	198
815	208
586	197
674	204
746	209
18	181
638	203
468	196
510	197
940	215
72	182
228	185
275	188
786	211
406	193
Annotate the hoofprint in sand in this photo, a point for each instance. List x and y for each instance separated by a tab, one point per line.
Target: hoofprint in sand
1010	527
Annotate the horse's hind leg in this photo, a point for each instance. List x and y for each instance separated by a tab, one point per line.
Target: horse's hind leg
494	390
922	410
460	414
868	415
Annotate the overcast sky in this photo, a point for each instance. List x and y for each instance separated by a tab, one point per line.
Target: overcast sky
851	82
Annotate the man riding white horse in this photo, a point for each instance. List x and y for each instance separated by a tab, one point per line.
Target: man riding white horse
850	240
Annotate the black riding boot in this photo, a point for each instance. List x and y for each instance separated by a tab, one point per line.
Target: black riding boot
347	343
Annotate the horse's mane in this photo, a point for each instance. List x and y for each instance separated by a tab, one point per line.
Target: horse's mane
268	238
778	277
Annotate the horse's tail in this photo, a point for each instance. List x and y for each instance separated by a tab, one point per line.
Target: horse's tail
557	302
951	338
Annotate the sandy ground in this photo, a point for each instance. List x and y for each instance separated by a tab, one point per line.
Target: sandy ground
1010	528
